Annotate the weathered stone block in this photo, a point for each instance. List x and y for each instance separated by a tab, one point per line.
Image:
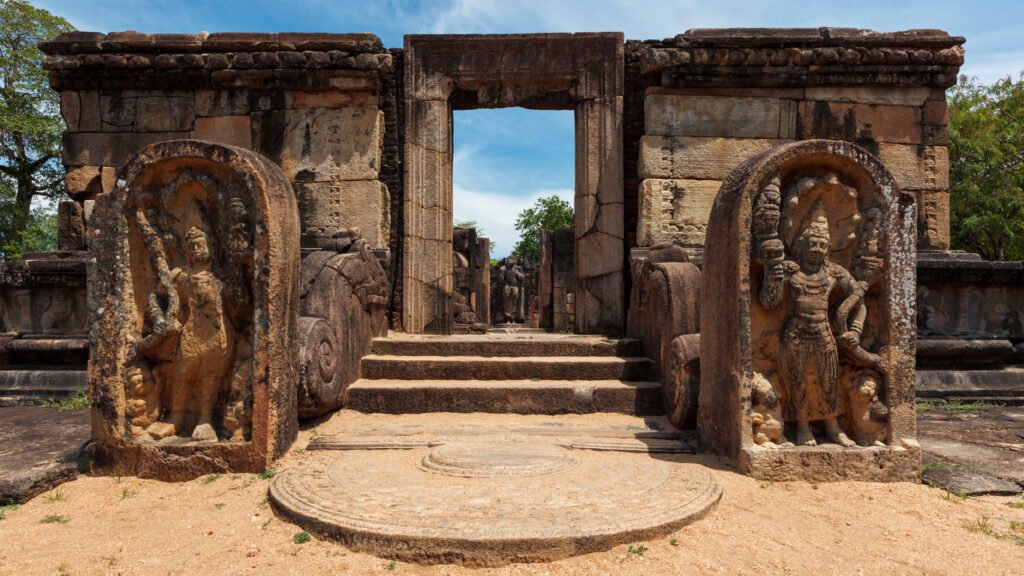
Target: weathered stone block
858	122
888	95
917	167
720	116
231	130
334	99
70	226
696	157
85	182
164	114
325	207
110	149
935	113
89	119
201	237
675	210
239	102
323	145
118	113
71	109
932	219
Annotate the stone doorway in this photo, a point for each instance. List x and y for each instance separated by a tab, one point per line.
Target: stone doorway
579	72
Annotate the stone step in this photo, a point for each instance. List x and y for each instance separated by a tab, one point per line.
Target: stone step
506	346
40	381
391	396
393	367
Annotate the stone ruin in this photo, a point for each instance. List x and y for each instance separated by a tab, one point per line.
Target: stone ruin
749	205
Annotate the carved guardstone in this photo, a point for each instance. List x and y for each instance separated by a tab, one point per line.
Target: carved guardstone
194	300
808	372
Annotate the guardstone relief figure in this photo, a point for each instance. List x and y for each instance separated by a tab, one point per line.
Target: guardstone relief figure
191	341
809	361
206	342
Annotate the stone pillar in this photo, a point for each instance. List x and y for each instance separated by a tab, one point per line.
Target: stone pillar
600	251
427	265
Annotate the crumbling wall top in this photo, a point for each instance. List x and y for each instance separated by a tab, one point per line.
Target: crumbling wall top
794	57
131	41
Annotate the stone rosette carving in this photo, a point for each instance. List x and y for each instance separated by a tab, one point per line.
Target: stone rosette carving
809	371
194	297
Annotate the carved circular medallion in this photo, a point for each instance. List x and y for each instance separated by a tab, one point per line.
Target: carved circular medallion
497	459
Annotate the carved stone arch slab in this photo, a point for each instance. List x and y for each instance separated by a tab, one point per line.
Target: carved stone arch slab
172	199
581	72
735	345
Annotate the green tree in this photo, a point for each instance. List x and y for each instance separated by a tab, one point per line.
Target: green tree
986	167
549	213
31	175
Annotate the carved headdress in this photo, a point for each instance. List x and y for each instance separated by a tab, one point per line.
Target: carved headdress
767	212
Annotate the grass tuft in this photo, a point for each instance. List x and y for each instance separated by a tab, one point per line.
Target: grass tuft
301	537
5	508
958	407
55	519
74	401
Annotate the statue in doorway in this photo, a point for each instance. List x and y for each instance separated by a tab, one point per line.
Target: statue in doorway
510	281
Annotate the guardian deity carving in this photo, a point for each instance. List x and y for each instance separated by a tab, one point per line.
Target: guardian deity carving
818	305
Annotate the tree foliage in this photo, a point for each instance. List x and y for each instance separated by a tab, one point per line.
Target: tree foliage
30	129
986	167
549	213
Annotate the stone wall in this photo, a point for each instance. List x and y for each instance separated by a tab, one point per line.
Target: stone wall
720	96
310	102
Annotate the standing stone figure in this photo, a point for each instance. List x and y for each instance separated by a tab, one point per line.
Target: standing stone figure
205	344
510	278
809	359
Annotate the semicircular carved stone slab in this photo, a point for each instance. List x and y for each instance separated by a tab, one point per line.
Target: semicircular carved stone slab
194	299
812	281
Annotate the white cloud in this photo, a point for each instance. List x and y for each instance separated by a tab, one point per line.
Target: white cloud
496	213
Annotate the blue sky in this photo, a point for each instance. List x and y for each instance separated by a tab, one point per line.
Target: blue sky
504	159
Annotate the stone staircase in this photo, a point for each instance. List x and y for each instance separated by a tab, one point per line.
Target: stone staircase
509	374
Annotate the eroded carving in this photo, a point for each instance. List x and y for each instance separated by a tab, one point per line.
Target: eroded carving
192	375
511	278
819	309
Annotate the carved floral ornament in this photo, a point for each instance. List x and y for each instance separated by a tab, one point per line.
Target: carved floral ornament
816	247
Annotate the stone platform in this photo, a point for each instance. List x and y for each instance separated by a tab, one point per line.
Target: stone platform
486	490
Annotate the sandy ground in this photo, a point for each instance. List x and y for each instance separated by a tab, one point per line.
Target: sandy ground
224	525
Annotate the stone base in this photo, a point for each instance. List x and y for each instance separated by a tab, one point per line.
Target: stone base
493	502
174	462
833	463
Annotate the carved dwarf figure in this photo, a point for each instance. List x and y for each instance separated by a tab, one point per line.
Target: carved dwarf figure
809	359
868	416
205	344
765	413
143	406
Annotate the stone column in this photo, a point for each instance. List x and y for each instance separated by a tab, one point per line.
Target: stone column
600	257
